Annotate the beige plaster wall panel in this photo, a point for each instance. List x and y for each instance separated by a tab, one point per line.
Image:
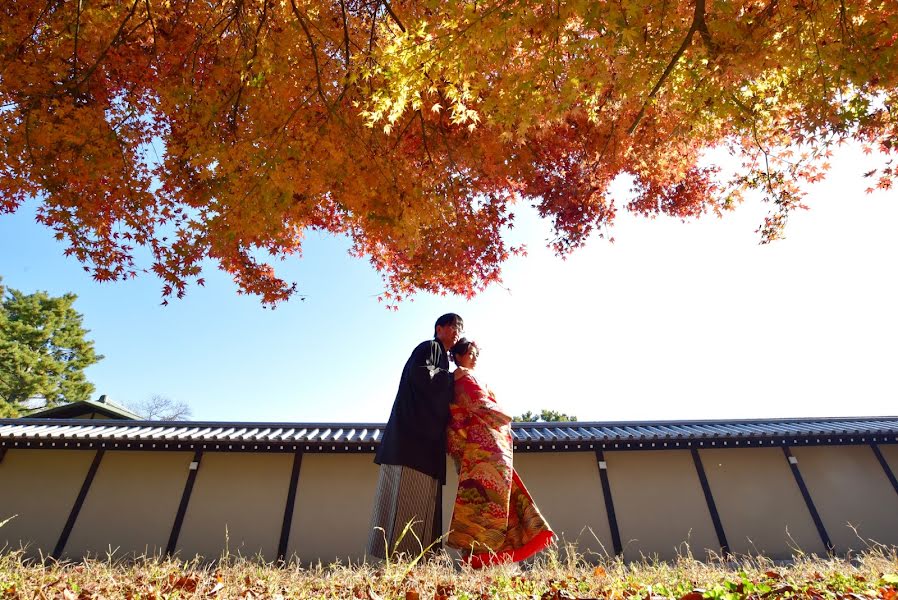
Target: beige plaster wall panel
890	453
332	512
567	489
241	496
131	505
759	502
660	506
849	486
40	487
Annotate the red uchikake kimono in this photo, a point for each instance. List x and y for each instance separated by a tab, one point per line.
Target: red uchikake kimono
494	519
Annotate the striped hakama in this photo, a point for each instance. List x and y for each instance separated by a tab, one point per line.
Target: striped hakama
403	495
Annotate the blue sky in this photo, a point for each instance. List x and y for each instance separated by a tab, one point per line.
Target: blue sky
672	321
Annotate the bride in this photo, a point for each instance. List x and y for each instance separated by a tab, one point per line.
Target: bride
495	519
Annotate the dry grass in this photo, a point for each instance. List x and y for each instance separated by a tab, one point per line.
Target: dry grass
553	575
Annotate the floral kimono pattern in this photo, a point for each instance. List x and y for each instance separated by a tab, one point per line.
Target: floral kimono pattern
494	519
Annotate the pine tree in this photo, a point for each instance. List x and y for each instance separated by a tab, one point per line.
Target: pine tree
43	351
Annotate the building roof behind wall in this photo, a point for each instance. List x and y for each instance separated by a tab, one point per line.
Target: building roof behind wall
355	437
103	408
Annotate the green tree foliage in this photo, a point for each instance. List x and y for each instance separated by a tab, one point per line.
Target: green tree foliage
544	415
43	350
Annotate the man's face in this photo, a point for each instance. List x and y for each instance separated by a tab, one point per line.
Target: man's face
449	334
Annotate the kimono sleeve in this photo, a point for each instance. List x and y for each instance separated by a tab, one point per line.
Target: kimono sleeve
484	405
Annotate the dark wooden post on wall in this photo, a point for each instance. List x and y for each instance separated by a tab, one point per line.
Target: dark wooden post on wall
806	494
185	500
76	508
288	509
609	503
709	500
879	457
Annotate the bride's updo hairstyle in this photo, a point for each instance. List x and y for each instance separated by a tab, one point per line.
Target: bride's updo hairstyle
461	347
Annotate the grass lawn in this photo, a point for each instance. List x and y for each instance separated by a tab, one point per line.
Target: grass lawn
553	575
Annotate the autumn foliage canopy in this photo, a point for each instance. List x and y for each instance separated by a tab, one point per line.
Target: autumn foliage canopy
189	130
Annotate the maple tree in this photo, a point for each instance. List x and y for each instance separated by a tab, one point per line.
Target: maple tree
223	130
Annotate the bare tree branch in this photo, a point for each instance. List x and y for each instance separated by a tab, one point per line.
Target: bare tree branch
162	408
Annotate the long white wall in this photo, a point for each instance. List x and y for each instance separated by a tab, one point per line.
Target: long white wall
238	501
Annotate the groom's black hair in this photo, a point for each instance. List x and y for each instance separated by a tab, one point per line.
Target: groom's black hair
448	319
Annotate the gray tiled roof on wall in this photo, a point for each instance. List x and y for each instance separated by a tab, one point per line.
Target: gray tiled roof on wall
355	437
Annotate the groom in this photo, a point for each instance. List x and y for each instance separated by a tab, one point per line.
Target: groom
412	453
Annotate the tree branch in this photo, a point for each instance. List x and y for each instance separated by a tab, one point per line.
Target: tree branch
21	47
698	24
152	24
424	136
75	44
345	35
305	28
74	85
402	133
765	14
371	37
393	15
346	52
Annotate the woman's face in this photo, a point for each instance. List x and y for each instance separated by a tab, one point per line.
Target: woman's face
468	360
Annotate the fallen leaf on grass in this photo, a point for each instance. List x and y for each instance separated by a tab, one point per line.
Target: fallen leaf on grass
183	583
52	583
412	595
599	572
773	575
693	595
557	595
778	592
